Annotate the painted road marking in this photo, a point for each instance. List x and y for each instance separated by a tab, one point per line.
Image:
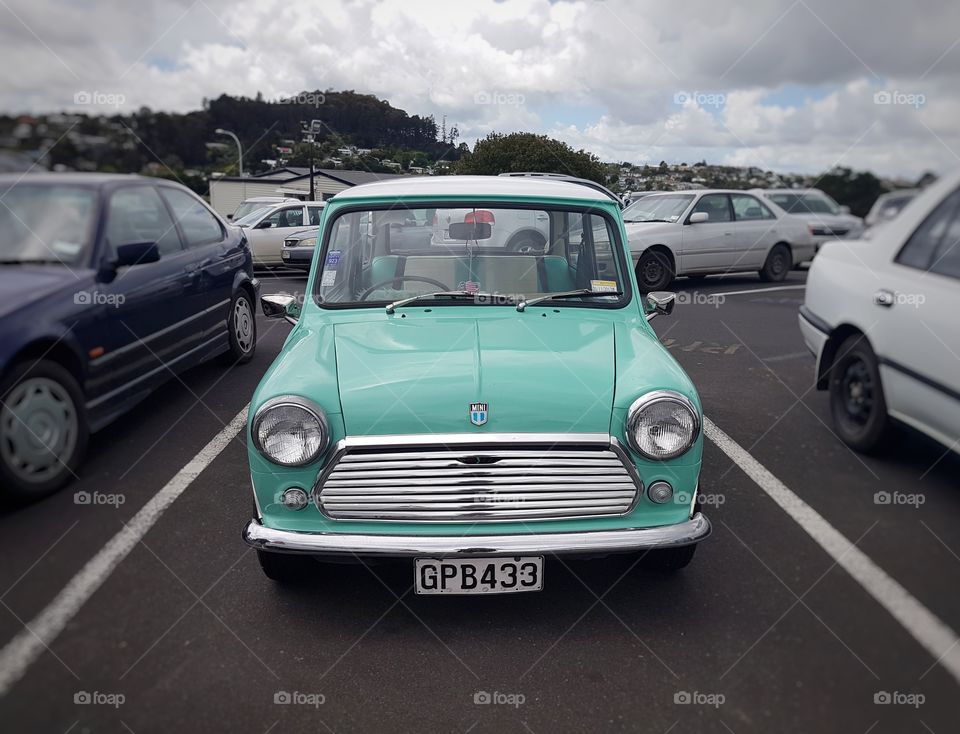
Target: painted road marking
759	290
24	649
924	626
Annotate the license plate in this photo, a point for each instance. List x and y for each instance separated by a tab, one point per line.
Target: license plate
478	575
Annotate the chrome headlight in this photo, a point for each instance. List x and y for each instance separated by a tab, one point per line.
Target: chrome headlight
290	430
662	424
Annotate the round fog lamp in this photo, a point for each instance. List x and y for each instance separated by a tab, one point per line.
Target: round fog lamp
294	498
660	492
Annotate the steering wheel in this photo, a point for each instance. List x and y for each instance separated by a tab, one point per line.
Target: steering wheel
400	278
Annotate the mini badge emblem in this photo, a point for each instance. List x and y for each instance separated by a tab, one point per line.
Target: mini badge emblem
478	413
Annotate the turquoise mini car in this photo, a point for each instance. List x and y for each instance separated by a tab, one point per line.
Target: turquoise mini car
472	385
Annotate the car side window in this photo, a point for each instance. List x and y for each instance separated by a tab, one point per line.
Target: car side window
946	260
137	214
198	225
291	217
716	205
919	250
747	208
314	214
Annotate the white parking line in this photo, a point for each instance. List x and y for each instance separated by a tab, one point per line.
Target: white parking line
759	290
23	650
925	627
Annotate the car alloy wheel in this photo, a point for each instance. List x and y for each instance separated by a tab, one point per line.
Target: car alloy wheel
39	429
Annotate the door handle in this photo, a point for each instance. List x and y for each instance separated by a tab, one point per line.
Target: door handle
728	234
884	298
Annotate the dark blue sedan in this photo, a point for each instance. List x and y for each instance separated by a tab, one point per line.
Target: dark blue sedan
109	285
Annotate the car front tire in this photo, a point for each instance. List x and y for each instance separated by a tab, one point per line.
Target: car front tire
778	264
857	403
43	430
654	271
286	568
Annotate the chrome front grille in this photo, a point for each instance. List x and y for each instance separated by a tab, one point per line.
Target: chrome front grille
477	478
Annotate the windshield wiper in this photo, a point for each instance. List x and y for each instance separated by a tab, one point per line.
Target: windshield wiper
391	307
566	294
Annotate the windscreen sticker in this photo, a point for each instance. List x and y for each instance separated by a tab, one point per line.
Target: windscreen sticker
328	279
333	258
603	286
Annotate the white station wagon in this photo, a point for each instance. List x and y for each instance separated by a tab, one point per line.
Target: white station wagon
881	317
695	233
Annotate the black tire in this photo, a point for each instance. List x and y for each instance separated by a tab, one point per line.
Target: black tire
669	559
857	404
241	330
43	430
778	264
528	243
654	271
285	568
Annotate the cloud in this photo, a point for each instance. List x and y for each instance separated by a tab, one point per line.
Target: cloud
532	65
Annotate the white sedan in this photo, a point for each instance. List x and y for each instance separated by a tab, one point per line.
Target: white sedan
696	233
267	228
881	317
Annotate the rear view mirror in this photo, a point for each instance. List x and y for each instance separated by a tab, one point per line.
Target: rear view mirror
660	303
699	217
470	231
280	306
137	253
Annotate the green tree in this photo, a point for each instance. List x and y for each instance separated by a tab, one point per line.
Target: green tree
857	190
498	153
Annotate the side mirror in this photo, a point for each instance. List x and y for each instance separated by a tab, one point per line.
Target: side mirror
844	209
699	217
280	306
660	303
133	253
265	224
230	217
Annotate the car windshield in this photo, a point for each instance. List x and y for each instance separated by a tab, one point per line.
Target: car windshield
253	217
657	208
45	223
479	255
805	203
248	207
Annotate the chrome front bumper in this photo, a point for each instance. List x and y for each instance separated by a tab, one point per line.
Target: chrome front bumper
593	542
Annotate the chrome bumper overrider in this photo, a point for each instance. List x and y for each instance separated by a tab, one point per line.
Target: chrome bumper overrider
599	541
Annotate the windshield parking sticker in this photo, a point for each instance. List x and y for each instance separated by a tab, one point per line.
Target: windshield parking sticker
328	279
603	286
333	258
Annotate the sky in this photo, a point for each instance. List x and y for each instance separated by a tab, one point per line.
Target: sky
792	86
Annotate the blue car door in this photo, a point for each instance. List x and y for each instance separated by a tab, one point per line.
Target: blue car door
148	332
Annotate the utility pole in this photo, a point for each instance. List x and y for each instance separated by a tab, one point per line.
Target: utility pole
312	194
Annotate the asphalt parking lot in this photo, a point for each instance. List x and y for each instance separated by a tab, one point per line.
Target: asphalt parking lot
773	627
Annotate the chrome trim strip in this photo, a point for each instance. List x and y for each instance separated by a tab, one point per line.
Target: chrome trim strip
626	540
467	439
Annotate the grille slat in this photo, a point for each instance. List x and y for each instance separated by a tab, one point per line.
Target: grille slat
477	483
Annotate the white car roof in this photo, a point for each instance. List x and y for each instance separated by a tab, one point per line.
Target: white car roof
475	186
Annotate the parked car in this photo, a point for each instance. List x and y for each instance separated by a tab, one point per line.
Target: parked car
881	318
826	219
516	230
473	408
298	249
111	283
266	229
256	203
889	205
703	231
